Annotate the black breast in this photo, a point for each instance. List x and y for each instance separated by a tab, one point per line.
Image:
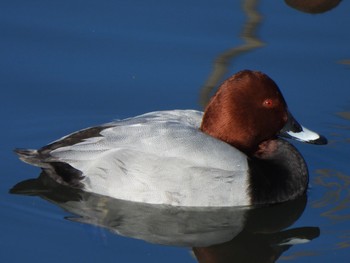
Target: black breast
277	176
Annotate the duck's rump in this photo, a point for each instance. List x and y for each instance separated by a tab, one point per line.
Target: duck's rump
159	157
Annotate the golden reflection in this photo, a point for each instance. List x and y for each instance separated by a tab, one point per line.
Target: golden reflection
337	194
346	243
335	202
342	245
345	61
344	114
223	61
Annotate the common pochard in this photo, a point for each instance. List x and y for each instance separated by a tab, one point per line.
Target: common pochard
230	155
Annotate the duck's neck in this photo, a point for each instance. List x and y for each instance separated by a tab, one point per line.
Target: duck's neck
229	125
278	173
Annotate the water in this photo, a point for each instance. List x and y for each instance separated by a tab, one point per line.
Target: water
70	65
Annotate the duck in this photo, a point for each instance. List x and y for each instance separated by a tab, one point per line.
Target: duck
235	153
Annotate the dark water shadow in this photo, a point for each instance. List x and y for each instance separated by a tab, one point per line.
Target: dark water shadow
216	234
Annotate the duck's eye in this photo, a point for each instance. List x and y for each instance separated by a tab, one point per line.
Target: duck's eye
268	103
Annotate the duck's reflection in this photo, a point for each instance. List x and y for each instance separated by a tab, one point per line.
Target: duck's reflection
216	234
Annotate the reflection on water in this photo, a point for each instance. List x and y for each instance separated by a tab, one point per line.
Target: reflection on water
216	234
336	183
337	194
339	137
345	61
251	40
223	60
257	247
345	114
334	205
299	254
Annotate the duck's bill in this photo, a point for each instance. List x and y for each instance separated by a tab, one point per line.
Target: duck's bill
293	130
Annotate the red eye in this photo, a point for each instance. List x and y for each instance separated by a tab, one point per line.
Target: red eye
268	103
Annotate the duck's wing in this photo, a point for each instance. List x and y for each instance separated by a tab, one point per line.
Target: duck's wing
151	158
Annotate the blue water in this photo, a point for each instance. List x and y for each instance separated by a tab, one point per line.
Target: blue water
67	65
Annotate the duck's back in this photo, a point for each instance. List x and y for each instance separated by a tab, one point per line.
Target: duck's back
159	157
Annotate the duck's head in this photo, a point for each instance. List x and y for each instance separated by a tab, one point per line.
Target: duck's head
249	109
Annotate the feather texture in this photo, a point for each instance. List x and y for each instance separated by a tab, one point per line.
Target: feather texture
144	158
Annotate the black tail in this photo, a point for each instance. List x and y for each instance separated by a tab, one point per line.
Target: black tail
61	172
31	157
